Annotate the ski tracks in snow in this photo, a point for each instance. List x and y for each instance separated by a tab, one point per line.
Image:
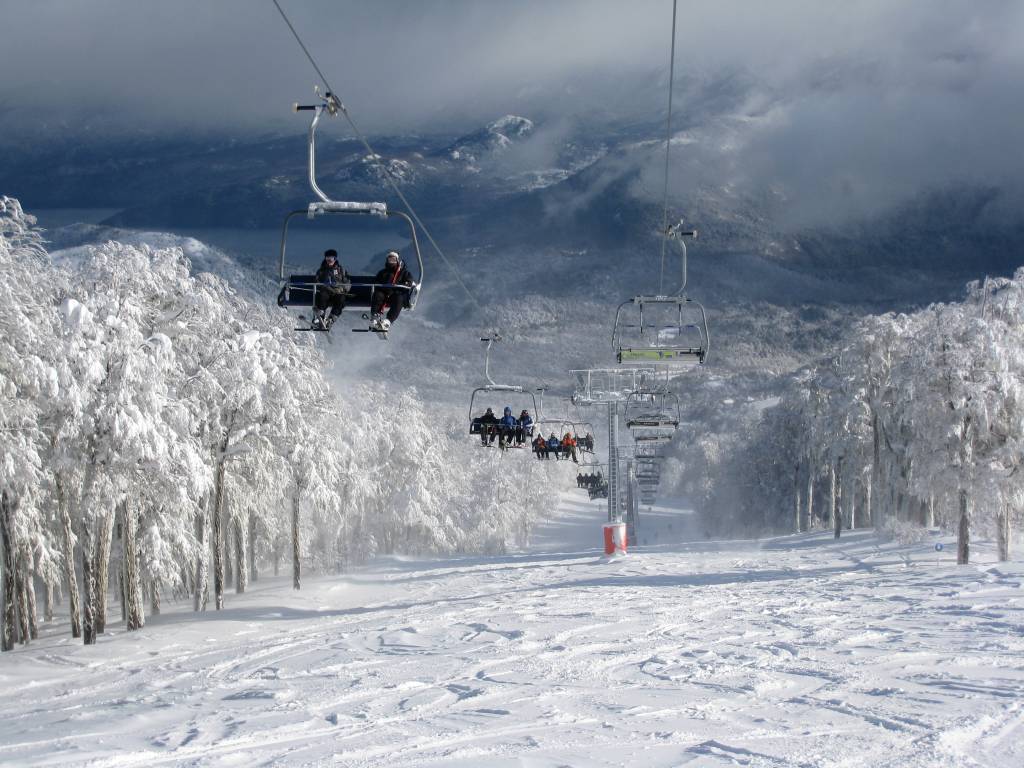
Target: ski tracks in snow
797	652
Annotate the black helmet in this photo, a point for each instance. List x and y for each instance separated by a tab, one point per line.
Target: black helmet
330	253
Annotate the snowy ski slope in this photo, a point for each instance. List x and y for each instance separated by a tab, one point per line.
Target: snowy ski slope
793	651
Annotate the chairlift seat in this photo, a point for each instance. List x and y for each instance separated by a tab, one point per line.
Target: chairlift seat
300	291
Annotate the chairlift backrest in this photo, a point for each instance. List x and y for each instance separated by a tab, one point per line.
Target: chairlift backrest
610	385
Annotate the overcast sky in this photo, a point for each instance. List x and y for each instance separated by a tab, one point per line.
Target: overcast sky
201	62
871	93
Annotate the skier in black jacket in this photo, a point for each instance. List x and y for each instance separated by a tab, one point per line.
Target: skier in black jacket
488	427
394	273
332	285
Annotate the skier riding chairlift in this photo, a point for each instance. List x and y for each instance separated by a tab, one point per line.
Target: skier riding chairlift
389	296
334	287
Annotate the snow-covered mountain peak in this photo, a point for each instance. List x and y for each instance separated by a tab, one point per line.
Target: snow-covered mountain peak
511	126
494	138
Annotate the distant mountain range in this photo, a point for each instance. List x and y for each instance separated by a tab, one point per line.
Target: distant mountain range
540	188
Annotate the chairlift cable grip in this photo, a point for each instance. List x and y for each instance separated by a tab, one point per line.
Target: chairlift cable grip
333	100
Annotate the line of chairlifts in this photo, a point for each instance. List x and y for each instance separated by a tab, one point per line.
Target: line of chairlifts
514	432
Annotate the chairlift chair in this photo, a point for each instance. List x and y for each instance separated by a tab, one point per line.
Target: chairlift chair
492	386
600	489
610	385
580	429
559	427
300	290
677	337
544	425
652	416
679	340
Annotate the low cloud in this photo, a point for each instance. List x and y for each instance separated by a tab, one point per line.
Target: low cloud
838	107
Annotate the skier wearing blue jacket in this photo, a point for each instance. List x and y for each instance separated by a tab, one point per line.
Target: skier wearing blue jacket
555	446
507	425
525	429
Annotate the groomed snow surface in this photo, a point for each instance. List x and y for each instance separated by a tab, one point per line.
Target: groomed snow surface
792	651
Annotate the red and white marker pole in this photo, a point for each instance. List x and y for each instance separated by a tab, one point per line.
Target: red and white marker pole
615	539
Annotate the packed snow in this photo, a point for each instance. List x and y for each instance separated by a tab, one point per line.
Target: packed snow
800	650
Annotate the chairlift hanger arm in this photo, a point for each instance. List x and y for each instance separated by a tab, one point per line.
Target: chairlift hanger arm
677	233
487	357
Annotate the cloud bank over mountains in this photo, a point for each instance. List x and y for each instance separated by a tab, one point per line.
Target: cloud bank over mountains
838	109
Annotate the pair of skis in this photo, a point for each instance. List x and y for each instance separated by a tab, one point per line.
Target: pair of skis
320	328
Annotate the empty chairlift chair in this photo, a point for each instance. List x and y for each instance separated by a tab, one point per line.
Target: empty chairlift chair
652	417
668	331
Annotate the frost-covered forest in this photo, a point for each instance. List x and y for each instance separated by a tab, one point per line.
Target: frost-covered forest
163	434
167	434
916	421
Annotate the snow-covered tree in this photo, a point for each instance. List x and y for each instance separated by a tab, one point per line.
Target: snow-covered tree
27	380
